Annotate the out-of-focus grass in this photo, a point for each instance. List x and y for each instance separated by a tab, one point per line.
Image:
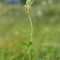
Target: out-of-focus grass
46	36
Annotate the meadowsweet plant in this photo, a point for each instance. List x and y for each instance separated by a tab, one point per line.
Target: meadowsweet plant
30	32
27	10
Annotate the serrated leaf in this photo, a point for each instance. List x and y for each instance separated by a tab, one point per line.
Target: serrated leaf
25	44
29	44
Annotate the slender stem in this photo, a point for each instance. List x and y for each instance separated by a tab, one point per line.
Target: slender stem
27	7
31	27
29	55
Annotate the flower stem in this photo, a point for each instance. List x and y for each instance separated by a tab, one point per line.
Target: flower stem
29	55
31	27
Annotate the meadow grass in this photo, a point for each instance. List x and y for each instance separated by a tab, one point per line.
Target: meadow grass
46	35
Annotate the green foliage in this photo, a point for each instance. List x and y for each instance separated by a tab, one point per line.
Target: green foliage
26	44
46	43
27	31
29	44
23	43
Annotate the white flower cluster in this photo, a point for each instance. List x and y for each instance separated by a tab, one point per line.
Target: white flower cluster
28	6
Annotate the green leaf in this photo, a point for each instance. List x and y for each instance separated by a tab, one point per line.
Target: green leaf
29	44
31	50
25	44
26	31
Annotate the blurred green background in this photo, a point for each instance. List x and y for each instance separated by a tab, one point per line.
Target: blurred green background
45	16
